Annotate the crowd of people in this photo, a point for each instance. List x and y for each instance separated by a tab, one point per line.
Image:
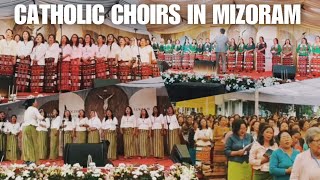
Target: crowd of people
275	147
239	56
41	64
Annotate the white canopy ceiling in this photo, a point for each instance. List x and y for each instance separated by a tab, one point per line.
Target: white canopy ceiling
305	92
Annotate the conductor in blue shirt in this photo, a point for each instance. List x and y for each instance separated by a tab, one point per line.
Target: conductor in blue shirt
221	50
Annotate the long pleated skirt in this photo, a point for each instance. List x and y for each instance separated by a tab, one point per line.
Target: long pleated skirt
143	143
43	144
260	175
173	138
158	146
129	142
93	136
12	147
81	137
54	144
111	136
2	141
67	137
29	141
239	171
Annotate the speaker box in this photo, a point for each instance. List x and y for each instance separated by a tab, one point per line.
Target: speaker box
105	82
180	154
5	82
78	153
284	72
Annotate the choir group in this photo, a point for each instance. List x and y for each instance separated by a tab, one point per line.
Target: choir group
240	56
44	135
43	65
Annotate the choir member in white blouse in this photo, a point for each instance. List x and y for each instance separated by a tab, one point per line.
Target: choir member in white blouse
42	131
81	127
127	128
8	46
113	47
25	46
174	128
101	51
53	49
76	52
94	127
38	51
158	131
146	52
67	127
134	49
12	130
204	136
144	133
64	67
109	133
65	48
124	53
88	49
54	134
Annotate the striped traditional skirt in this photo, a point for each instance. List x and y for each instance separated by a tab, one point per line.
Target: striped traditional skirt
37	78
261	60
43	144
81	136
239	171
129	142
93	136
102	69
64	81
29	143
303	65
2	144
287	60
231	59
155	70
54	144
111	136
315	65
88	73
248	62
125	71
50	76
12	147
158	145
276	60
173	138
22	74
161	56
6	65
143	143
239	63
67	137
206	56
146	71
213	56
176	61
113	68
75	72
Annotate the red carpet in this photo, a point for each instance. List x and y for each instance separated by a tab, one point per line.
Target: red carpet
166	162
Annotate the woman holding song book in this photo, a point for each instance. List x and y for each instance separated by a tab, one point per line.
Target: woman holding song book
54	134
237	150
81	124
67	128
260	153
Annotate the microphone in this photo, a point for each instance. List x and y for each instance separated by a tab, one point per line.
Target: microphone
39	29
304	33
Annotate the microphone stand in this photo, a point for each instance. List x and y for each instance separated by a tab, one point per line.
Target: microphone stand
61	59
63	122
168	138
3	144
139	56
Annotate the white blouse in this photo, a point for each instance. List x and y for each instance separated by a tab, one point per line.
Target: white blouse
157	122
76	52
145	53
53	52
45	122
88	52
110	124
95	122
56	123
128	122
12	128
78	122
8	47
66	50
38	54
125	53
69	125
24	49
101	52
113	50
173	122
203	133
144	123
134	51
31	116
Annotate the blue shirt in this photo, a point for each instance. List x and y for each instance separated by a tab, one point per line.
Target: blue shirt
222	41
279	162
234	143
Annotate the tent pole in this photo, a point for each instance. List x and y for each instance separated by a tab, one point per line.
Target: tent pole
256	102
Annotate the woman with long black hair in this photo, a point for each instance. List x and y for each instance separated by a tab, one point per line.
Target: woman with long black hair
158	131
261	54
12	130
75	60
67	128
51	61
101	56
42	131
109	133
81	124
127	128
88	62
54	134
144	133
94	126
64	64
287	58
